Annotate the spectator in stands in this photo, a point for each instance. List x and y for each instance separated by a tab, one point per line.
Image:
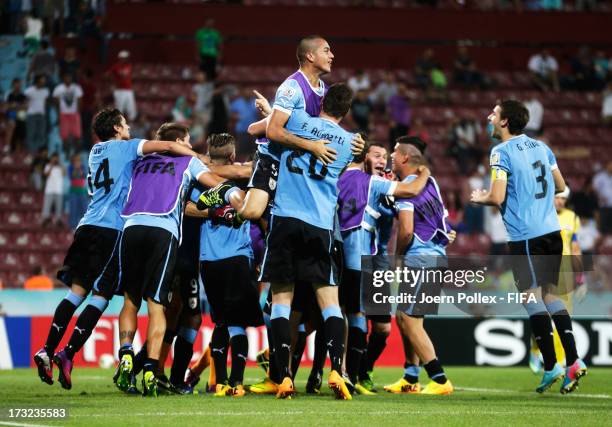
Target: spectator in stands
361	108
602	184
584	200
606	104
465	72
182	111
78	198
208	44
464	143
51	10
43	63
536	114
90	103
32	33
418	129
423	68
141	127
430	77
37	173
544	71
589	239
219	120
455	211
36	121
602	66
54	191
474	214
399	111
89	26
583	75
384	91
202	91
68	95
360	81
123	92
38	281
16	106
243	112
69	63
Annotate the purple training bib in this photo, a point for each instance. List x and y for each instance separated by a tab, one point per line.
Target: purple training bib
313	101
156	183
430	215
353	189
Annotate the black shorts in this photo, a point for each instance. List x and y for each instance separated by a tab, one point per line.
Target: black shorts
232	292
350	291
148	257
265	174
536	262
187	284
92	260
376	310
297	251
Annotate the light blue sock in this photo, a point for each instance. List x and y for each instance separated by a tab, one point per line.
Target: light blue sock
332	311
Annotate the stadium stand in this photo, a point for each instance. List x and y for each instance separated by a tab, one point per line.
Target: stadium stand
164	69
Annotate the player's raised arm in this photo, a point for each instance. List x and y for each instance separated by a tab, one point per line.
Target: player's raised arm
155	146
276	132
262	104
413	188
243	171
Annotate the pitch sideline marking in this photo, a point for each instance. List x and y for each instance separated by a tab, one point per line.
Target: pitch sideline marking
501	390
10	423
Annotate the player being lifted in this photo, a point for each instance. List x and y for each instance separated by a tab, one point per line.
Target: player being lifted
525	178
299	244
303	90
153	212
91	264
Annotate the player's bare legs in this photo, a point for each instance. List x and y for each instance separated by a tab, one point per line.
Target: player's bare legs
157	327
128	322
61	318
254	205
412	328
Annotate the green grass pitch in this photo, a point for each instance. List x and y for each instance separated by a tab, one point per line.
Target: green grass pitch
483	397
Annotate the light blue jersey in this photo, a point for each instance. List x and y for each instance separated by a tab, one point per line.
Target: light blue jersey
363	240
172	221
110	172
289	97
306	188
528	210
218	241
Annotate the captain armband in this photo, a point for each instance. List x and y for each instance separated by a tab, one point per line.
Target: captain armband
499	174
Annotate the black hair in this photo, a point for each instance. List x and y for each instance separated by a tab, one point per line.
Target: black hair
516	113
413	140
221	146
337	100
305	46
104	123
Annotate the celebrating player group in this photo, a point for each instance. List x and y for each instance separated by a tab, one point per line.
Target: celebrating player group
164	219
